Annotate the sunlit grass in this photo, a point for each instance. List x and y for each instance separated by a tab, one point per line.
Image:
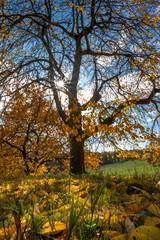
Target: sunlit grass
130	168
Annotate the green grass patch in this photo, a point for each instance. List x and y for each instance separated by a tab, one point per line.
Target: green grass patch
130	168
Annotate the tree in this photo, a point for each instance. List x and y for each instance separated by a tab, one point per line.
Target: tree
152	150
109	46
32	133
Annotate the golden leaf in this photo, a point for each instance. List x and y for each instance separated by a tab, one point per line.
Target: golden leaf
57	227
65	207
110	234
154	209
145	232
110	217
42	193
2	234
152	221
83	194
113	218
140	237
121	237
137	207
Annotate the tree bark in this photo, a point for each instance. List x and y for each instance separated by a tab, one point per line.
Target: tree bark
76	156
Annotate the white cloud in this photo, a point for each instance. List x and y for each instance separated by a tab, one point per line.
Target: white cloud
149	119
105	61
85	94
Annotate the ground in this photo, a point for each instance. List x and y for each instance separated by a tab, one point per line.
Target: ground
93	206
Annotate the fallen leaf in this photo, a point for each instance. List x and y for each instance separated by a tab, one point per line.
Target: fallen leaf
87	203
129	225
36	210
158	183
135	198
137	207
113	218
121	237
110	217
42	193
121	187
83	194
145	232
57	227
154	209
142	236
142	191
110	234
156	196
2	234
66	207
74	188
89	216
152	221
11	233
75	182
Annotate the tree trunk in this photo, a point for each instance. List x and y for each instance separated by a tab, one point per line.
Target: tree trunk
76	156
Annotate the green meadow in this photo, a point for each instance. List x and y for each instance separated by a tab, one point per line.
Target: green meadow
130	168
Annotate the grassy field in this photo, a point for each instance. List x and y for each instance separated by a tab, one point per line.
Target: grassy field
128	168
88	207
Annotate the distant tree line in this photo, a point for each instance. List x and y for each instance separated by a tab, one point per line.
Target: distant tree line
112	157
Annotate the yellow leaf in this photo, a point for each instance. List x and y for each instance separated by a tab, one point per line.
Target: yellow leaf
42	193
80	8
121	237
74	189
113	218
157	196
83	194
72	5
46	230
110	217
142	191
94	216
2	234
137	207
140	237
57	227
9	231
66	207
145	232
152	221
154	209
110	234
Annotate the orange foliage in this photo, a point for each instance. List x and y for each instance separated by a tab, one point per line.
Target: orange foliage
152	153
92	160
32	133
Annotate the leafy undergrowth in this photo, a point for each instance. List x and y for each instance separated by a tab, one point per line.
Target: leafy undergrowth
86	207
